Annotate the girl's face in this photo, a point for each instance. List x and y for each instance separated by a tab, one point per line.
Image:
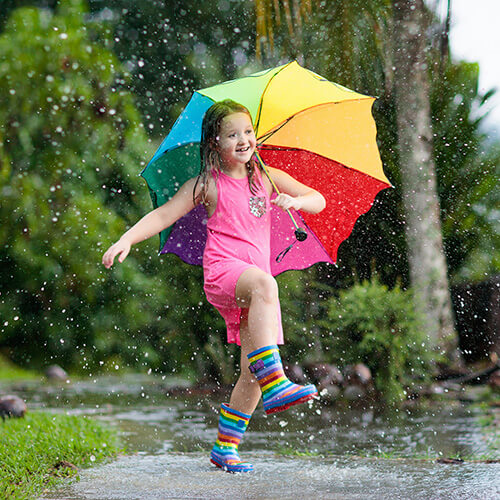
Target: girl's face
236	141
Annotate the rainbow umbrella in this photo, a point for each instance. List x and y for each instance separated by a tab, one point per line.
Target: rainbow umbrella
321	133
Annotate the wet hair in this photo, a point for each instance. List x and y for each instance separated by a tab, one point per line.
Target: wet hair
209	154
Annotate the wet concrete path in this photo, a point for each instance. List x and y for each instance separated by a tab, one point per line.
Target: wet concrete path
190	476
305	452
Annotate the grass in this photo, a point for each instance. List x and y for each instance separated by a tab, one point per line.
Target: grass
428	457
286	451
9	371
34	450
394	455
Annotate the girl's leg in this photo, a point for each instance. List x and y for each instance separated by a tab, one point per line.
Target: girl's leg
258	291
246	393
257	294
235	416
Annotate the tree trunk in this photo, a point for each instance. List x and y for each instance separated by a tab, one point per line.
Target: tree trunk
428	270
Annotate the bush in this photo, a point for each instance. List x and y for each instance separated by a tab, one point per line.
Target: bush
71	143
371	324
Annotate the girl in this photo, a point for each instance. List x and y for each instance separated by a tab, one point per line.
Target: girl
236	264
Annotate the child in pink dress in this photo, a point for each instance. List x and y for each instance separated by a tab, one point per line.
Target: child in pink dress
236	264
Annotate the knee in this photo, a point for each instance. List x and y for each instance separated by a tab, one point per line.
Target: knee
265	288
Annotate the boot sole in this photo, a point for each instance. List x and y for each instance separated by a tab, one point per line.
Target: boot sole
233	468
284	407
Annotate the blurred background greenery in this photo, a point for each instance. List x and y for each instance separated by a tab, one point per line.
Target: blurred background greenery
88	89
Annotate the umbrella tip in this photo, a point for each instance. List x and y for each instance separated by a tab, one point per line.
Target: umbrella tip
301	234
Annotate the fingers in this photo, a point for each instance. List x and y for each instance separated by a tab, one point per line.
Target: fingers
123	255
118	249
285	202
108	258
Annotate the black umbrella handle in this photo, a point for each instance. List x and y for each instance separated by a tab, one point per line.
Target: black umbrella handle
300	233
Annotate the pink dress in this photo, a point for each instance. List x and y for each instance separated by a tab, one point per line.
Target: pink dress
238	238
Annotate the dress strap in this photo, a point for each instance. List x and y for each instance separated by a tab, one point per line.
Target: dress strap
259	174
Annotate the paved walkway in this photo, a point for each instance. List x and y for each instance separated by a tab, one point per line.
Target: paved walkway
191	476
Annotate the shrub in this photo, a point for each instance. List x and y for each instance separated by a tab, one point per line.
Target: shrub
371	324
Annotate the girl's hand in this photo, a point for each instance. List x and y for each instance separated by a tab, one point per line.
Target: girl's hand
286	202
121	248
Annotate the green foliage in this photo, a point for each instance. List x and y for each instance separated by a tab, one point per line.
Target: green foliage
371	324
31	448
302	304
468	168
351	43
71	147
71	141
193	334
172	49
72	144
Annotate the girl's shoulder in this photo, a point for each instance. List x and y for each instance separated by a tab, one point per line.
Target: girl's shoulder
264	180
204	189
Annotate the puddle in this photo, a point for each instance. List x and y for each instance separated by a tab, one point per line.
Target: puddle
174	475
171	437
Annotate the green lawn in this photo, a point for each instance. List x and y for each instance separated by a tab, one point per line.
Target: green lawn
32	449
9	371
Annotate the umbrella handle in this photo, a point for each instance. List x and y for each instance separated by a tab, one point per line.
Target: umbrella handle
300	233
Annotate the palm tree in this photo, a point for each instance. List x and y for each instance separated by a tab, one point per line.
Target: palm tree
398	44
428	270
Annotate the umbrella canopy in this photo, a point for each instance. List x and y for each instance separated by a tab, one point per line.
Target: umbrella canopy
319	132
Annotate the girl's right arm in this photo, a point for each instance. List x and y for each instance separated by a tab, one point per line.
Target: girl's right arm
152	223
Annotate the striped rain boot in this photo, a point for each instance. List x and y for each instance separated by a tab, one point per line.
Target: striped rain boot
278	393
232	425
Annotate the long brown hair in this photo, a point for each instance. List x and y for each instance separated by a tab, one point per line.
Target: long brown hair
209	154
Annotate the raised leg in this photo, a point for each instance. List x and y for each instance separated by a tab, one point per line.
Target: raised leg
258	291
257	294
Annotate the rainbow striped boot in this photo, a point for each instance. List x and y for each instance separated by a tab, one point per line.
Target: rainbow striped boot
232	426
278	393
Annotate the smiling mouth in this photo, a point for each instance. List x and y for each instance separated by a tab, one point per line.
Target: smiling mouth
243	150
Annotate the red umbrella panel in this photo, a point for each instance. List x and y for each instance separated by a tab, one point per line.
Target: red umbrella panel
349	194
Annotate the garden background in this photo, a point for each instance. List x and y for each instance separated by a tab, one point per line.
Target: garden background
87	92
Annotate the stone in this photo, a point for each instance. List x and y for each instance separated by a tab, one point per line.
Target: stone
358	374
56	373
354	393
330	393
295	373
12	406
325	374
494	380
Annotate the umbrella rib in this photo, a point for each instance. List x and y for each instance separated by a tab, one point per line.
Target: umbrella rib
272	132
261	101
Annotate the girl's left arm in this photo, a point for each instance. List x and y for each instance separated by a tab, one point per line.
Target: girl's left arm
294	194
